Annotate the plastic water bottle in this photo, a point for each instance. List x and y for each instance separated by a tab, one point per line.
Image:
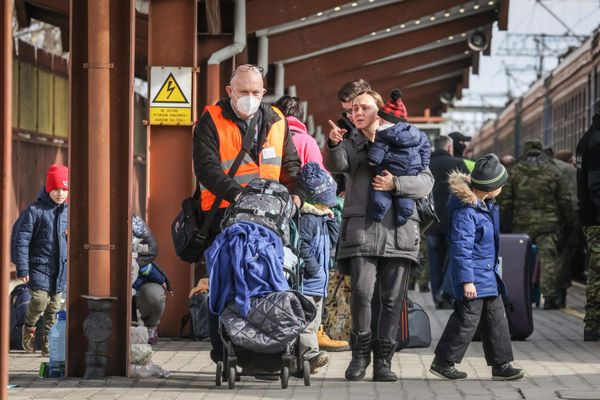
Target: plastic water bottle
58	343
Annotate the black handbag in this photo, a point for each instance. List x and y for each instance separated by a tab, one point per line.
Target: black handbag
427	214
189	230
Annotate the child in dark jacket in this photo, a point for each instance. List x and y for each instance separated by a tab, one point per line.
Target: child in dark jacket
400	149
319	234
473	262
39	251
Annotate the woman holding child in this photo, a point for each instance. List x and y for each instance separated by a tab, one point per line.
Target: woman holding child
374	251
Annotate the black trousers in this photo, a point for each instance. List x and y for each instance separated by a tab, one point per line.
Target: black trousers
463	324
391	275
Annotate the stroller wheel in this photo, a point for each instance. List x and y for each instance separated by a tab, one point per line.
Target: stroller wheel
285	376
306	372
231	377
219	373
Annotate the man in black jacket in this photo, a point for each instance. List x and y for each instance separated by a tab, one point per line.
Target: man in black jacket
441	164
245	90
588	191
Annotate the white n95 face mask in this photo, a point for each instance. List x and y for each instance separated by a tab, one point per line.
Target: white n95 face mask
248	105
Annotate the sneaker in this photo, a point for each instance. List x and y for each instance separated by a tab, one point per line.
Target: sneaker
591	335
506	372
446	370
152	336
328	344
28	338
317	361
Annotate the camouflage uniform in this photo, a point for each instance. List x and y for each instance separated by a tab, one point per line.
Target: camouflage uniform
592	308
536	201
588	192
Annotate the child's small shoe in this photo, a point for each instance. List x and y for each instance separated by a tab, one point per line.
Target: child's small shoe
506	372
447	370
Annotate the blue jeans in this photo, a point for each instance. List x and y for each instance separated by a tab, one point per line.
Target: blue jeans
441	281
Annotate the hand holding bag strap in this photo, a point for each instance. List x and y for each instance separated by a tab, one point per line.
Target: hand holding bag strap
246	143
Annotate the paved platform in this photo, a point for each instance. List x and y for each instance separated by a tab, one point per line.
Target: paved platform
558	365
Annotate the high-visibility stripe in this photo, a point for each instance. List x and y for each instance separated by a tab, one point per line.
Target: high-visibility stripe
230	144
272	161
226	164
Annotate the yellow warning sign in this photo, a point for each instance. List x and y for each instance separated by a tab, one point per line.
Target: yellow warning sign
170	92
170	116
170	95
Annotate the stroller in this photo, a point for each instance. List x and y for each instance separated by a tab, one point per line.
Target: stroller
251	351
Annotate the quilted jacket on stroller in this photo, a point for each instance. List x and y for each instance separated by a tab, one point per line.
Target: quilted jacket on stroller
273	322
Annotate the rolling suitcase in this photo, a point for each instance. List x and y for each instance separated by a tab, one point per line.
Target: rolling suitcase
515	254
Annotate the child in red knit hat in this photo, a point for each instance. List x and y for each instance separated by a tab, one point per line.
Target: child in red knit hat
39	251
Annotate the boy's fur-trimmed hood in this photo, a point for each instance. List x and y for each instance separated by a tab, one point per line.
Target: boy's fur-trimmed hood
459	184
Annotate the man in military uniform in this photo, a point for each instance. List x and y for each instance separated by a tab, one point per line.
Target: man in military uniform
588	191
536	201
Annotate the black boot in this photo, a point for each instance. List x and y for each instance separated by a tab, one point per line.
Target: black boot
383	351
361	355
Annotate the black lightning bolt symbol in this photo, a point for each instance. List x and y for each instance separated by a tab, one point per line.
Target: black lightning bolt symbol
170	89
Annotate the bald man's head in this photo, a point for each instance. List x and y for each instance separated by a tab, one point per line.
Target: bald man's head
246	89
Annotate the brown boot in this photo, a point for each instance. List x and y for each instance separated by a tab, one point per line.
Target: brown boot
28	338
328	344
45	349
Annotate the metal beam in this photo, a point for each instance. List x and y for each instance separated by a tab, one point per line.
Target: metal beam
263	14
358	55
323	17
171	45
411	60
335	30
5	185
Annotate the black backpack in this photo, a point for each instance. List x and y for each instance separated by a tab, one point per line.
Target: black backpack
197	317
264	202
19	303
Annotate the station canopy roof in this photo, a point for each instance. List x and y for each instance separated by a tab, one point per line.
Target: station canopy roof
419	46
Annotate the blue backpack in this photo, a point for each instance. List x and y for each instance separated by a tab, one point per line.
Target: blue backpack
19	302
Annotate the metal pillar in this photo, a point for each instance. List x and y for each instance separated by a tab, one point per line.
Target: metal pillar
170	149
5	184
112	69
99	148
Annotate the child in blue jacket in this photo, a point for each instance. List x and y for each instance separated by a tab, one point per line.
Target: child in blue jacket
400	149
473	262
39	251
319	234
